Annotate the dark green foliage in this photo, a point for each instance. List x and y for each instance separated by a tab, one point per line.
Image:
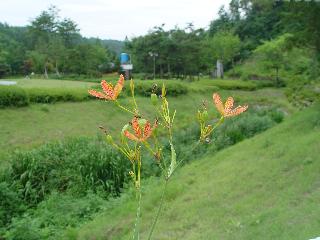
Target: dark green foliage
77	165
4	69
145	88
230	133
53	45
11	96
302	92
17	97
181	52
11	204
43	95
53	216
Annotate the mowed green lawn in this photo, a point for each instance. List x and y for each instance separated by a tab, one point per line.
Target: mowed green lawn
39	123
266	187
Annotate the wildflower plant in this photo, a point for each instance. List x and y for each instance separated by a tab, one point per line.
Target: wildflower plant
140	133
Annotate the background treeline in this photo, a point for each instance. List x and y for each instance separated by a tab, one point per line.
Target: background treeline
268	39
53	45
276	35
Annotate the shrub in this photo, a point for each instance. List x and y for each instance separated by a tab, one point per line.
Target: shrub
229	84
12	96
238	129
11	204
145	88
54	215
302	92
52	95
76	165
18	97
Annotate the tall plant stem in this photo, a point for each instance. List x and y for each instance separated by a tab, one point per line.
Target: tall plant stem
123	108
159	209
136	235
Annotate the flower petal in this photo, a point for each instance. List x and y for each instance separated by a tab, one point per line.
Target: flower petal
130	136
98	94
118	87
238	110
218	103
136	128
147	130
228	105
107	88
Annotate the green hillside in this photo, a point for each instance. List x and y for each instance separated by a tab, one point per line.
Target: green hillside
266	187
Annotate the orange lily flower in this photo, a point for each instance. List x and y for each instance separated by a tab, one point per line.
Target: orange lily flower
139	135
109	92
226	110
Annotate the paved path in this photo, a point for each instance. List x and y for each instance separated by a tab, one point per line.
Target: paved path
7	83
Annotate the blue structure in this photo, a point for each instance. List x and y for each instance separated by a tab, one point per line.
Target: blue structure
124	58
125	65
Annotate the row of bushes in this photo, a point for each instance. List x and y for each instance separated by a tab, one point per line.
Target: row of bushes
146	87
15	96
12	96
230	84
74	168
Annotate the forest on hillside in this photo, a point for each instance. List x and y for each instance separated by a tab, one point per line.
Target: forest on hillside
270	40
50	44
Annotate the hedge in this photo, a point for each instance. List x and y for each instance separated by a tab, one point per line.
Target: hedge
13	96
146	87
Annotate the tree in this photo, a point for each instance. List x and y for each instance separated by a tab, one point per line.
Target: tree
180	52
224	47
302	19
271	53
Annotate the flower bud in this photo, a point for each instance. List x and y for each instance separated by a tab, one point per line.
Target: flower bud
154	99
109	139
131	174
205	115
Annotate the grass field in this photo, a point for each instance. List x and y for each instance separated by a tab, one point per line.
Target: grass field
262	188
266	187
39	123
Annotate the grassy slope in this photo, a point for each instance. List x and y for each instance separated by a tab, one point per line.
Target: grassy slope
267	187
30	126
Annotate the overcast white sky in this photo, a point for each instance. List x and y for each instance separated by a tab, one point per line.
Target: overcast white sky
115	19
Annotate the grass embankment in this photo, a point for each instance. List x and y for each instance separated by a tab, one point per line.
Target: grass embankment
40	123
266	187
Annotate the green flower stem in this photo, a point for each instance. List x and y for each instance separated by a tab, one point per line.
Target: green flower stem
138	196
159	209
136	235
217	125
123	108
132	93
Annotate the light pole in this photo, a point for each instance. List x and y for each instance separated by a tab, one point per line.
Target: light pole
154	55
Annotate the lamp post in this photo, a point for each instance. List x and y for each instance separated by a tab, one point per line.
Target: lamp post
154	55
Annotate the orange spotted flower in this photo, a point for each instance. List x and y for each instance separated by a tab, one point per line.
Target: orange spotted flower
226	110
109	92
140	135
